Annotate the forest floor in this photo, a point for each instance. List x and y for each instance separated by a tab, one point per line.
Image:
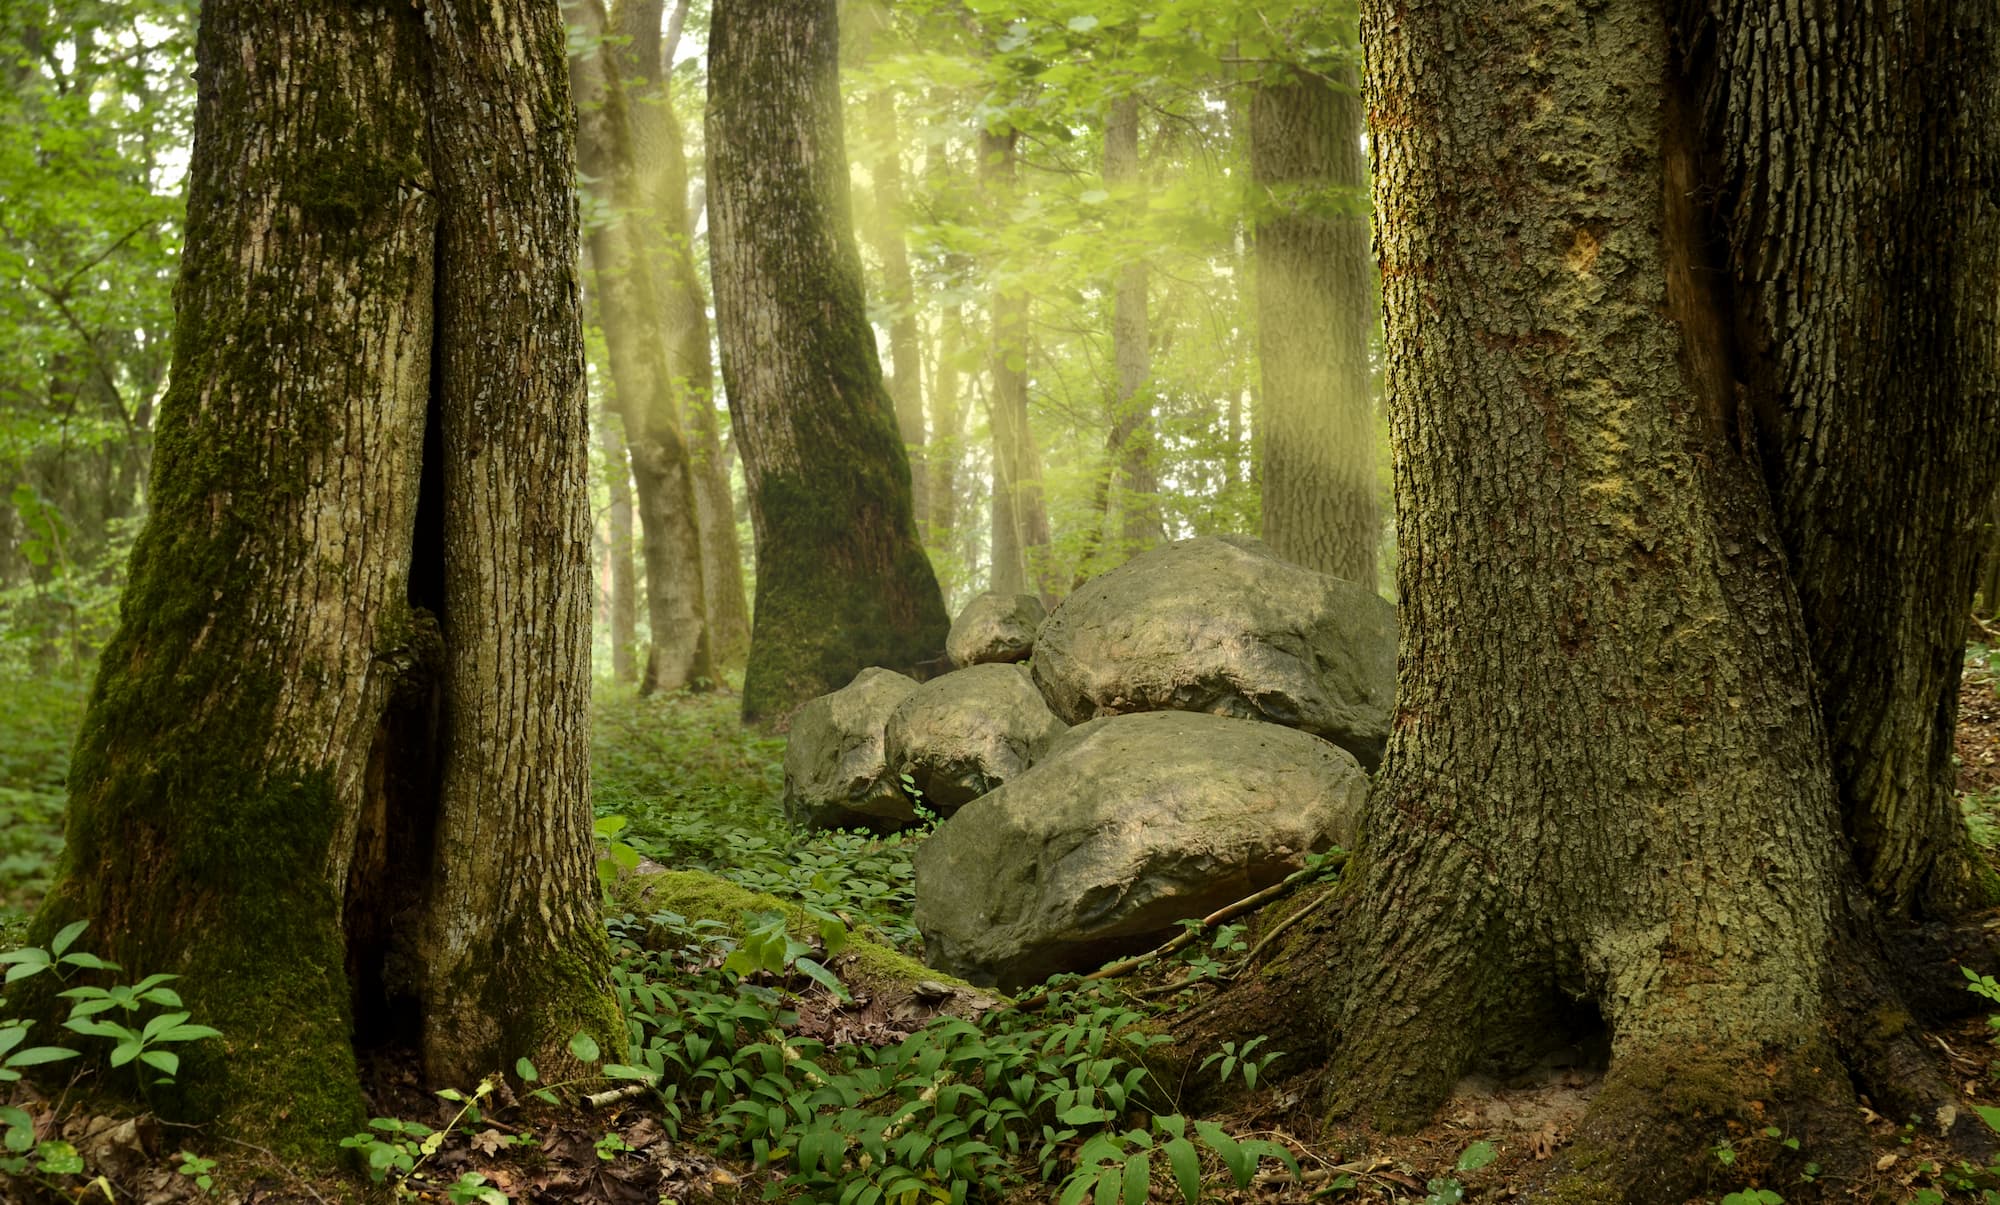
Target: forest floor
690	789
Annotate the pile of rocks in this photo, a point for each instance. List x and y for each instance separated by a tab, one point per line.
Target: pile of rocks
1225	703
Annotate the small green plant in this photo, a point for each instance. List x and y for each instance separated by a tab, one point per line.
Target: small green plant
1231	1058
1450	1190
473	1189
1753	1196
397	1149
201	1171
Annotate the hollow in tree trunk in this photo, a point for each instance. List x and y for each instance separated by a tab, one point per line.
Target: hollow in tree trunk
333	772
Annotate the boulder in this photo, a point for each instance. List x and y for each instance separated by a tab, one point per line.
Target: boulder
964	734
1222	625
995	627
1126	825
836	768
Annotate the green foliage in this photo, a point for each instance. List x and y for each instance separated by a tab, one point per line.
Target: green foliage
38	719
135	1038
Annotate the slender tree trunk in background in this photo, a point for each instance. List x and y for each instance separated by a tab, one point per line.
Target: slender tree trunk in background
1315	286
624	255
624	578
1872	362
1648	838
334	773
660	153
1017	464
842	580
883	227
947	413
1130	446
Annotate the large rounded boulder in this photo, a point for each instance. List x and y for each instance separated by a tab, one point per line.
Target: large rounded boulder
1223	626
836	766
959	736
995	628
1126	825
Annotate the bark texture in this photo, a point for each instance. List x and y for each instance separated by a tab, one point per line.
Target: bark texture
1314	312
1861	267
626	260
842	580
1630	820
325	774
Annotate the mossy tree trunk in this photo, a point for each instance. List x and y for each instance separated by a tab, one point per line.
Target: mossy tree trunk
842	580
333	770
660	157
1633	820
626	277
1315	308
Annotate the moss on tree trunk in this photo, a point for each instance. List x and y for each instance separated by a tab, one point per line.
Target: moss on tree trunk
842	581
1614	795
354	638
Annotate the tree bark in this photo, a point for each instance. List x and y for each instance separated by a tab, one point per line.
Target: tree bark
625	260
1020	517
333	770
1314	313
1130	445
660	153
842	580
1871	366
1632	820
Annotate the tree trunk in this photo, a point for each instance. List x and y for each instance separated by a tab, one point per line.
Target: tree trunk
1020	517
947	423
334	769
1632	820
1130	446
1871	365
624	601
1314	312
624	259
842	580
884	226
660	154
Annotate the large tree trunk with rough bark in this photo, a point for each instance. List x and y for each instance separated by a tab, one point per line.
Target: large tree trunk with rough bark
660	158
334	769
1632	821
842	580
625	259
1863	272
1315	283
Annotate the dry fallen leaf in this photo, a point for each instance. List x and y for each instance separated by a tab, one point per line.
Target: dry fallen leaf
486	1142
1886	1162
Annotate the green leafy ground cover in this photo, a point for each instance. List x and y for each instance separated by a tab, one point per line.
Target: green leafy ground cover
757	1064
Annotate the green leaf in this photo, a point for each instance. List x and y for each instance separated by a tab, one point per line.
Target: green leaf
163	1060
34	1056
526	1070
67	934
1138	1176
189	1033
1186	1163
1083	24
1989	1115
1083	1115
1478	1155
584	1047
